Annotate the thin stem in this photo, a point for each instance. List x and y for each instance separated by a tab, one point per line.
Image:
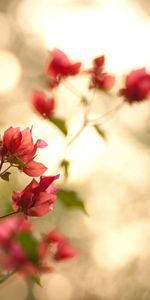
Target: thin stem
5	170
75	91
30	295
7	276
114	109
77	134
85	122
1	164
10	214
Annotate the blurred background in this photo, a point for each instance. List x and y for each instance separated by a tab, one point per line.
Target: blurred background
111	177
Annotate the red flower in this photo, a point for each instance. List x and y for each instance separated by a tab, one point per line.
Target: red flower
137	86
60	66
100	79
11	252
42	104
19	249
18	148
63	249
12	226
37	198
22	252
104	81
98	63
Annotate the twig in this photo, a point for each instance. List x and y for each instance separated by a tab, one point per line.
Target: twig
7	276
6	170
10	214
114	109
75	91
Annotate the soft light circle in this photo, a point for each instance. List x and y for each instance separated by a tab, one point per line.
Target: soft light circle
10	71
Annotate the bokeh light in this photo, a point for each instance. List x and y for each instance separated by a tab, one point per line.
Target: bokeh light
10	71
57	25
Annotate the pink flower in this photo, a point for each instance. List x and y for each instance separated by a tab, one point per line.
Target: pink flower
42	104
11	252
98	63
19	149
137	86
19	249
37	198
104	81
100	79
60	66
63	249
11	226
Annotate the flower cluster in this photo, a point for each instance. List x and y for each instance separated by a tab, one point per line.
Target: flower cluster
136	84
18	149
100	79
37	198
22	252
43	105
63	248
60	67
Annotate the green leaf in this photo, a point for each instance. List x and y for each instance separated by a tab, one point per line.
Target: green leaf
29	245
5	176
100	131
15	160
36	278
60	124
65	165
70	199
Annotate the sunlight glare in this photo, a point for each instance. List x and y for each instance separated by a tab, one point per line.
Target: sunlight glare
118	29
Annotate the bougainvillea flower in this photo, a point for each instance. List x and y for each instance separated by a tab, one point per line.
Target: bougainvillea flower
43	105
19	149
60	66
100	79
21	252
63	249
11	226
37	198
137	86
11	252
103	81
98	62
19	249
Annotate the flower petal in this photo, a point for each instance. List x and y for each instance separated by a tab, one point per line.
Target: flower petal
65	251
43	105
34	169
135	75
38	211
12	139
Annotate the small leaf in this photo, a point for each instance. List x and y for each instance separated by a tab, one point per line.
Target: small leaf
36	278
70	199
65	165
29	245
5	176
17	161
60	124
100	131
